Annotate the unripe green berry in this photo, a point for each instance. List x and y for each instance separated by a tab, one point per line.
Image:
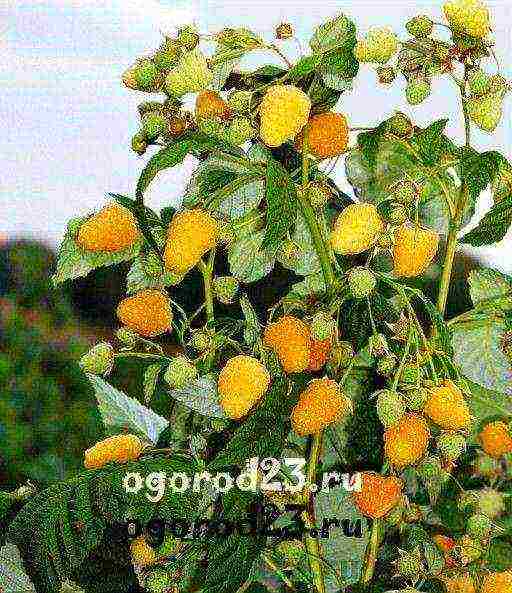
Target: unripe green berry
153	125
99	360
240	101
416	399
400	125
378	345
284	31
322	326
486	466
167	55
451	445
410	374
409	565
318	194
145	75
158	580
188	37
226	289
386	365
490	502
240	130
180	372
201	340
497	83
417	91
386	240
430	468
340	356
479	526
139	143
413	513
405	192
390	407
361	282
149	107
442	52
420	26
127	336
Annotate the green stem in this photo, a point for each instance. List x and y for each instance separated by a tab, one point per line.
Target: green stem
321	247
371	552
456	219
207	272
312	543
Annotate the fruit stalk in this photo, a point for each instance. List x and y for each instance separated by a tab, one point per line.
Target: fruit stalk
310	218
207	272
456	220
371	552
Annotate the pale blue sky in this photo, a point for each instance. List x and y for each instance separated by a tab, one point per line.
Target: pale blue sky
67	121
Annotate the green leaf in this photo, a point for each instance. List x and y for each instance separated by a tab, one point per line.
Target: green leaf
432	144
263	434
314	284
201	396
486	404
230	561
248	260
486	285
304	259
172	155
477	348
13	577
74	262
368	143
493	227
120	412
281	198
303	67
150	381
332	34
344	555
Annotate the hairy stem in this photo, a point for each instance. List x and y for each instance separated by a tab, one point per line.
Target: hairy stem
207	272
312	543
456	219
321	247
371	552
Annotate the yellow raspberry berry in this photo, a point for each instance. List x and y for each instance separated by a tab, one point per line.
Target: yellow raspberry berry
496	439
470	17
191	234
378	494
210	104
414	250
148	313
242	383
284	111
120	448
327	135
142	553
379	46
447	407
356	229
111	229
290	339
320	404
406	441
497	582
319	353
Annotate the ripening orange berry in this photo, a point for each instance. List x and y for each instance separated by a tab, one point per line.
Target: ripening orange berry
290	339
496	439
447	407
320	404
148	313
191	234
319	353
378	494
414	250
242	382
497	582
462	583
111	229
210	104
119	448
327	135
406	441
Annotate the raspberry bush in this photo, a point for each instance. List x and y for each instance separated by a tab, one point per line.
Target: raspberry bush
352	366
